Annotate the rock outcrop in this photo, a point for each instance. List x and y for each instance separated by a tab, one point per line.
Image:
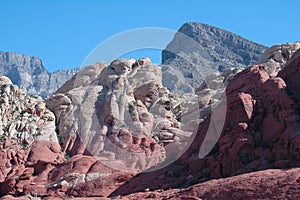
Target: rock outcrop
112	122
290	75
276	57
261	131
120	131
32	160
123	109
27	137
117	121
29	73
23	117
266	184
198	50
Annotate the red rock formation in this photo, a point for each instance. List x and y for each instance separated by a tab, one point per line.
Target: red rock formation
291	74
268	184
261	131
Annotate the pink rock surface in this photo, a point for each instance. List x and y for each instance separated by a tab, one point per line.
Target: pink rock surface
267	184
260	133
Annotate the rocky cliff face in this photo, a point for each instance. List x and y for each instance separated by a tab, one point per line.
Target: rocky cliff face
261	131
29	73
105	126
196	50
27	137
275	58
199	49
123	108
115	121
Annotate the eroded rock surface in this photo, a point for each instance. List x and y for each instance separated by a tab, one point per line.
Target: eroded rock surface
276	57
118	120
261	131
200	49
28	72
27	137
123	110
266	184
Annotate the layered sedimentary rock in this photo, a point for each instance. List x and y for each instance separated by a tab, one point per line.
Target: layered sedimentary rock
29	73
32	160
27	137
261	131
124	109
200	49
118	120
23	117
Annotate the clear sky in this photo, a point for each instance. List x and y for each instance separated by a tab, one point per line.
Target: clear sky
63	32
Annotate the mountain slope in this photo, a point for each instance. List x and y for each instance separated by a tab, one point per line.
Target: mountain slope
29	73
196	50
261	131
199	49
117	120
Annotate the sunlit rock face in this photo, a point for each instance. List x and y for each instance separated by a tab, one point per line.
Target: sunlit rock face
123	113
29	73
275	58
200	49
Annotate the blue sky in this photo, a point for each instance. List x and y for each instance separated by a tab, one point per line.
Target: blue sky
62	33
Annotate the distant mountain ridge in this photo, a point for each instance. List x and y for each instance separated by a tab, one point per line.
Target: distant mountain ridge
199	49
195	51
28	72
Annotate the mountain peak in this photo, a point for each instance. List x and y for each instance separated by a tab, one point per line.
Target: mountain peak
20	59
202	49
28	72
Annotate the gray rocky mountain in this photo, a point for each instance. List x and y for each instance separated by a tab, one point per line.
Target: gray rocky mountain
29	73
198	50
